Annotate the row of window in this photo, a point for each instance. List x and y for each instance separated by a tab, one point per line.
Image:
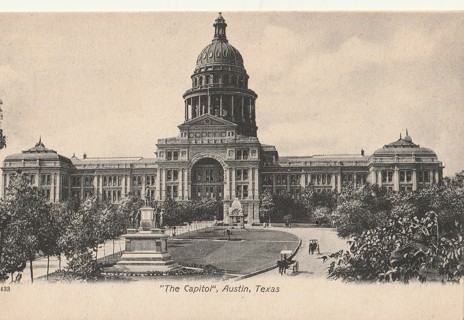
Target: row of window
206	135
361	178
225	79
207	192
406	176
282	179
173	155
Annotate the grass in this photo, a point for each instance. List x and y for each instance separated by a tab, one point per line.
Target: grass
248	250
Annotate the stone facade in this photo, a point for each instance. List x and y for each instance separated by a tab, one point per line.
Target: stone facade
217	153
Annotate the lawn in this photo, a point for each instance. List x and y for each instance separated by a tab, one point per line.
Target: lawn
247	251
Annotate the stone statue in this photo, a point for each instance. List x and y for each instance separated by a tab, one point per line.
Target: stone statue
147	195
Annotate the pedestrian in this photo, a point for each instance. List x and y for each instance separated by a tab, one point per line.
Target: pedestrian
318	250
312	248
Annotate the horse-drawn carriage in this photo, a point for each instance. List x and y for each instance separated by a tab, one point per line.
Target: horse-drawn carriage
285	262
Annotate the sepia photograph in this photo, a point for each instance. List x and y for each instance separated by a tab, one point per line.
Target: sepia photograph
232	165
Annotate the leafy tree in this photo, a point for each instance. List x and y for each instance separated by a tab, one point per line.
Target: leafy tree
171	213
266	205
311	200
24	211
2	136
323	215
360	209
401	236
87	228
284	205
127	213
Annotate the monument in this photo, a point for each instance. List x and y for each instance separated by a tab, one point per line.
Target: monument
236	213
146	247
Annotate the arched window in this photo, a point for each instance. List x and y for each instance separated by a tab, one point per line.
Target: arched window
201	81
194	82
226	79
208	79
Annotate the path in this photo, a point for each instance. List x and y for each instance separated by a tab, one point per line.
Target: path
310	266
106	249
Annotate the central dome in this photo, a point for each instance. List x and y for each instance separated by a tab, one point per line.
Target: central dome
220	85
219	52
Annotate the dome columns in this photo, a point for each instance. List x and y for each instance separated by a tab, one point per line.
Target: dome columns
237	108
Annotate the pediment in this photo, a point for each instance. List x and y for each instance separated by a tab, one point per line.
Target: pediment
207	120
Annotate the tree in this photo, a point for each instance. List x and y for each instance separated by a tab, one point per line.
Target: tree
311	199
401	235
87	228
360	209
24	219
266	205
128	211
2	137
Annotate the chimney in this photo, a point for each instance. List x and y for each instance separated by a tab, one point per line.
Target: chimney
84	156
362	152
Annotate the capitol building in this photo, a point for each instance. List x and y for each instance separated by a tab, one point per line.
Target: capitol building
217	153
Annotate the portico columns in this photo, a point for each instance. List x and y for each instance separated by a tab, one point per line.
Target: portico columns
256	187
181	184
158	185
233	195
396	180
58	187
100	187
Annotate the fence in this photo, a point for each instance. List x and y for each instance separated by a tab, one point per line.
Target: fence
194	226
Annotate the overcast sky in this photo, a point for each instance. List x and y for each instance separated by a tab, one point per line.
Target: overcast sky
111	84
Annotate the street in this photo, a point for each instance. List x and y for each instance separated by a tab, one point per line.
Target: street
309	265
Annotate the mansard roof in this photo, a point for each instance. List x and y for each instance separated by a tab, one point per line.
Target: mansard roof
38	152
403	147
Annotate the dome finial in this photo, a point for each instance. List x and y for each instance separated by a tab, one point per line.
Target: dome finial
407	138
400	136
220	28
40	142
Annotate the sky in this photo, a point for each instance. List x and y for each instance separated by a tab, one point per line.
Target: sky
111	84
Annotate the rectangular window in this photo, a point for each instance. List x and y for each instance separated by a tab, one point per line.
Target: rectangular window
169	155
238	155
174	191
390	176
175	155
239	175
408	176
245	174
238	191
245	191
426	176
402	176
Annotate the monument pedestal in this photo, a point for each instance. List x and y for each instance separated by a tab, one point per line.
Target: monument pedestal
236	213
146	248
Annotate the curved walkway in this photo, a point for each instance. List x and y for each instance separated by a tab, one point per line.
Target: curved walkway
310	266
